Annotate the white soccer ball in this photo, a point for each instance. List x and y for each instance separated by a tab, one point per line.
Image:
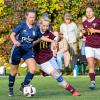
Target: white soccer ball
29	91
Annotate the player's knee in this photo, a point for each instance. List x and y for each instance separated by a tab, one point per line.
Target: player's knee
32	69
14	72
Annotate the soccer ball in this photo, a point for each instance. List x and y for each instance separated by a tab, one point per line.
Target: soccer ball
29	91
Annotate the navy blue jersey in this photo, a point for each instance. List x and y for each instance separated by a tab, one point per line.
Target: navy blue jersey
26	35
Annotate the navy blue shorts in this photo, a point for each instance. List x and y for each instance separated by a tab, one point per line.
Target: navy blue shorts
20	52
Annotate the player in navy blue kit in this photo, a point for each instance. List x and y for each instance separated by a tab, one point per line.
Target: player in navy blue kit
44	56
22	37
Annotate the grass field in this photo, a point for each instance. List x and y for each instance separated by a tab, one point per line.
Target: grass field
47	89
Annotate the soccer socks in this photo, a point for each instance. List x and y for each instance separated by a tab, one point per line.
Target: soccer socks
70	89
92	76
11	82
67	87
92	84
28	78
60	79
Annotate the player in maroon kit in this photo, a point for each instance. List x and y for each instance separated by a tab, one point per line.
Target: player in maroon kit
44	56
92	46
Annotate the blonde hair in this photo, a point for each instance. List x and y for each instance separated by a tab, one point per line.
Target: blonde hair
44	18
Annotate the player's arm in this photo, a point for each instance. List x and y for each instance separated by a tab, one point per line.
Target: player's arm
36	41
43	38
13	39
46	38
15	32
92	30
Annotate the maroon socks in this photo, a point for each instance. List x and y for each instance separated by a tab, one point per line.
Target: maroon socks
70	89
92	76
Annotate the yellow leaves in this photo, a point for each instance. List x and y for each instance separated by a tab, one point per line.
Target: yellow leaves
1	6
3	61
1	40
57	7
1	1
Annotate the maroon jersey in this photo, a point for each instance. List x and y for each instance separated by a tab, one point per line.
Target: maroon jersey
42	49
92	40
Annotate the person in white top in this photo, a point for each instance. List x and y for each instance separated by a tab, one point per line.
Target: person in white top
69	31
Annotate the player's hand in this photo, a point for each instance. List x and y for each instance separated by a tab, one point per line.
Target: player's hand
16	43
91	31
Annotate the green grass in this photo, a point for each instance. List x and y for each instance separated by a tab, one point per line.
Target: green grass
47	89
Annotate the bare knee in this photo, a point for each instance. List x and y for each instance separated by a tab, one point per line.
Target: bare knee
14	70
31	65
32	69
91	64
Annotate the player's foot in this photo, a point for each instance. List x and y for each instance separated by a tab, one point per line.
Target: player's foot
21	87
92	85
76	93
11	93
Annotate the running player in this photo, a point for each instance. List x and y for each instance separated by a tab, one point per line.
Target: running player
92	45
44	57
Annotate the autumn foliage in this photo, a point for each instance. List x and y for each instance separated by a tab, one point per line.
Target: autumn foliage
12	11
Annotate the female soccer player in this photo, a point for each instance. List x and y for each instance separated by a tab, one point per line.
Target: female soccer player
92	44
44	57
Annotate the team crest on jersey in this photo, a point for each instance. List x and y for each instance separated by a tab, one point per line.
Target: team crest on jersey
33	33
24	30
86	26
94	24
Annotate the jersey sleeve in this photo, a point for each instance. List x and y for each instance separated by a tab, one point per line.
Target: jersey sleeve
38	33
18	28
51	36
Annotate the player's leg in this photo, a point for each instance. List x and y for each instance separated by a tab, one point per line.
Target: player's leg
64	84
13	72
91	72
97	55
29	76
14	60
90	59
47	68
31	67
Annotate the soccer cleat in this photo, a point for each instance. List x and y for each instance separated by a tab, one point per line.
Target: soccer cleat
11	93
76	93
92	85
21	87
